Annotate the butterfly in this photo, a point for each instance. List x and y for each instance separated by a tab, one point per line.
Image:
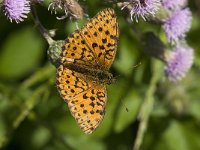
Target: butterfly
83	71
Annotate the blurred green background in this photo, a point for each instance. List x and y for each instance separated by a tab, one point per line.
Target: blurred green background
34	116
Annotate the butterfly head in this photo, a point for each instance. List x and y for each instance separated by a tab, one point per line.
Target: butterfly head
105	77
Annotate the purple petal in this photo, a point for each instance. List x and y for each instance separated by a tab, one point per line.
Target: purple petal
179	62
16	9
178	24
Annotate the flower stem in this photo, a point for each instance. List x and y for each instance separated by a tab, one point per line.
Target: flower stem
147	107
41	28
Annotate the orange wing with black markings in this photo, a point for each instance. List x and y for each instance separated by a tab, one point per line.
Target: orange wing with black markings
96	43
93	46
85	99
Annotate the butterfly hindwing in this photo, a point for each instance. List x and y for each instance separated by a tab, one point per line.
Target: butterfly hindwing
86	100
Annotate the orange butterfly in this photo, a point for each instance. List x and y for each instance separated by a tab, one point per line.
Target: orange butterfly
84	69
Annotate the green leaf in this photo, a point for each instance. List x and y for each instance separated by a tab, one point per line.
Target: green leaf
113	101
132	101
126	56
183	135
174	138
81	143
40	137
194	109
21	53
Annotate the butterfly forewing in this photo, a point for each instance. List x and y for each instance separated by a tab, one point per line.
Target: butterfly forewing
101	34
76	51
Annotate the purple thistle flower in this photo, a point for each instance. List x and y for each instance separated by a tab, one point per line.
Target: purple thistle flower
16	9
178	62
178	24
173	4
143	8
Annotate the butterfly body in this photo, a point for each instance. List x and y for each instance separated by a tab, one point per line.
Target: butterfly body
83	71
93	74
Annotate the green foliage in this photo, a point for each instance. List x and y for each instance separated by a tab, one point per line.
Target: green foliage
21	53
34	116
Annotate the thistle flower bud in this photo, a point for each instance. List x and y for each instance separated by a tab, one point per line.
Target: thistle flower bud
71	8
153	45
54	52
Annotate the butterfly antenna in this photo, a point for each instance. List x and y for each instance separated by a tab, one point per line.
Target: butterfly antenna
130	68
124	105
137	65
116	77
